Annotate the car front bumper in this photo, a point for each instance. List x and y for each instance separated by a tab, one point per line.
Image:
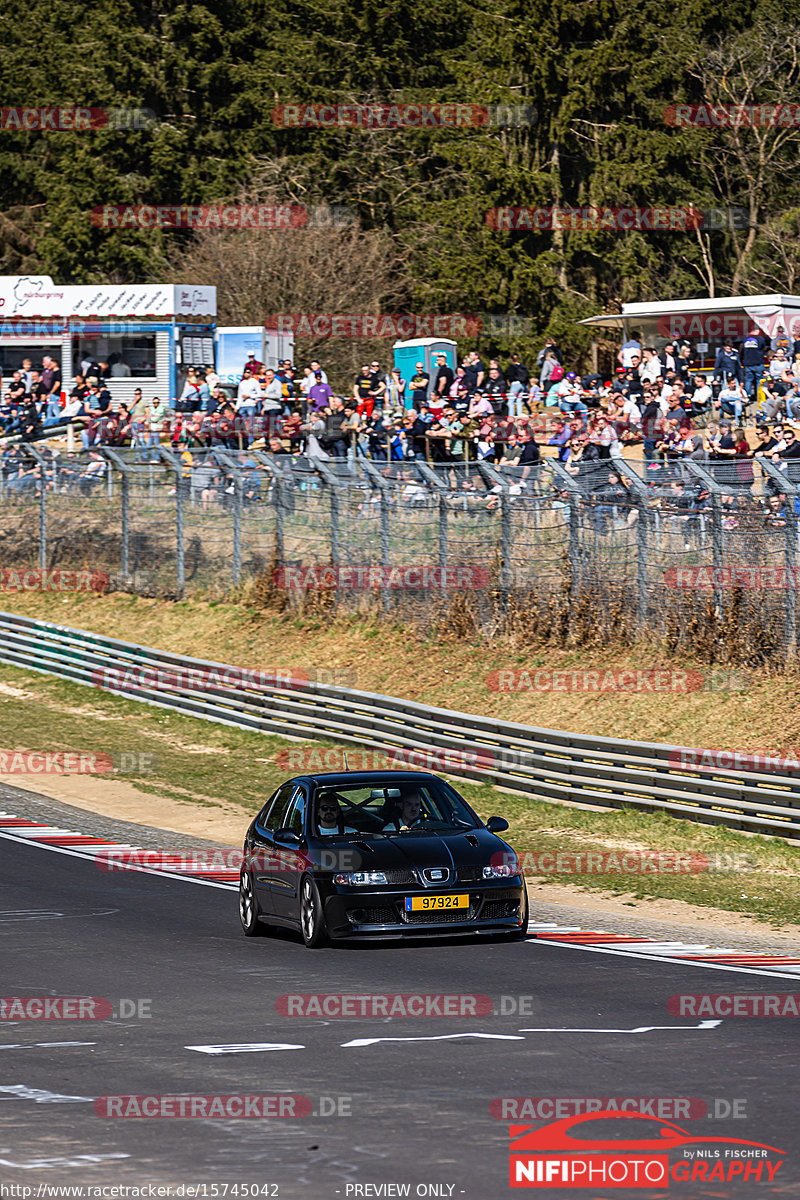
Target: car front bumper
382	913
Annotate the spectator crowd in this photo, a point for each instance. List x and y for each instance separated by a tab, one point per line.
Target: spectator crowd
509	414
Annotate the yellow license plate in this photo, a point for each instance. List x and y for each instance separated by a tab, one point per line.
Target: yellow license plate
429	903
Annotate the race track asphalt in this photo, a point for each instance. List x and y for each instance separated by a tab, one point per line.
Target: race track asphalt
407	1112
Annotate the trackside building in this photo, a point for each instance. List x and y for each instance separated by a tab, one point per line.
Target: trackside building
148	334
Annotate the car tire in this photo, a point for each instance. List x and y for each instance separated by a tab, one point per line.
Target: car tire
312	920
249	910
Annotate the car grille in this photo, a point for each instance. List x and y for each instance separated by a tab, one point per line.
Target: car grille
400	876
493	909
470	874
378	915
440	916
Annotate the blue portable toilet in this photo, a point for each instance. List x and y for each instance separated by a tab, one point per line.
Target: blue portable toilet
425	350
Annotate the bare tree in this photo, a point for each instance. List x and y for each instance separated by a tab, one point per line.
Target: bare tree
752	157
774	265
328	266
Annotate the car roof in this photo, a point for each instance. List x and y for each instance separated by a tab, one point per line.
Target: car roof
377	778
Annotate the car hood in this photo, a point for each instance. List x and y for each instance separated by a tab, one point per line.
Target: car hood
473	847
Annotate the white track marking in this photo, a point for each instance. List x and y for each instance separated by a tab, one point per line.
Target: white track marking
19	1091
438	1037
104	848
779	972
245	1047
35	1045
638	1029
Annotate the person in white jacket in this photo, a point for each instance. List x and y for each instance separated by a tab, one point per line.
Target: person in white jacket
652	368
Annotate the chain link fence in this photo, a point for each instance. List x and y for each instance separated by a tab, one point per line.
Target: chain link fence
687	550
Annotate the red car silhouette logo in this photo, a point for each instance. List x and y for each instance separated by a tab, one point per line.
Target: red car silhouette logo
558	1137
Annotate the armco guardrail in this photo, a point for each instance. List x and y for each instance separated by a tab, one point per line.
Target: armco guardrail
570	767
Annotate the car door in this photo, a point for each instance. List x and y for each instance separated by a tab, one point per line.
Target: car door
266	862
286	887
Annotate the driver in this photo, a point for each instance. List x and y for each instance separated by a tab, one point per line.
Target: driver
409	813
329	817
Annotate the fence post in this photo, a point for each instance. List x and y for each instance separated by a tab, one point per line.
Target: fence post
279	513
237	529
126	504
717	535
792	531
492	475
574	546
116	460
333	493
443	532
642	538
42	518
180	560
335	550
42	464
790	558
429	475
717	550
505	547
385	555
281	482
374	475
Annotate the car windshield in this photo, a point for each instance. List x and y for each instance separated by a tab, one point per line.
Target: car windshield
394	809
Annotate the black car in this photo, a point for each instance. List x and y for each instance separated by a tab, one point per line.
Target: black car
378	854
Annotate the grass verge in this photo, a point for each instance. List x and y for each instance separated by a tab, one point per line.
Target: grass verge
227	770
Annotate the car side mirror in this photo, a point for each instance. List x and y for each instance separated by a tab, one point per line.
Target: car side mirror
496	824
286	837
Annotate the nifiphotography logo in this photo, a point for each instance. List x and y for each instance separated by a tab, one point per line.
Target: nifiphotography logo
625	1150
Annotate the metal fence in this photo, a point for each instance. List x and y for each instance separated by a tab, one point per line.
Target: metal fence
552	765
653	546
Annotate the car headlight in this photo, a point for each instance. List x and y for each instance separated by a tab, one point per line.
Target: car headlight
501	870
360	878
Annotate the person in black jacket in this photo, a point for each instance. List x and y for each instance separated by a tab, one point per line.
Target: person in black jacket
519	381
727	364
334	440
651	416
30	421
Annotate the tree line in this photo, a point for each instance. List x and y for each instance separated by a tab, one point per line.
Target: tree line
598	87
